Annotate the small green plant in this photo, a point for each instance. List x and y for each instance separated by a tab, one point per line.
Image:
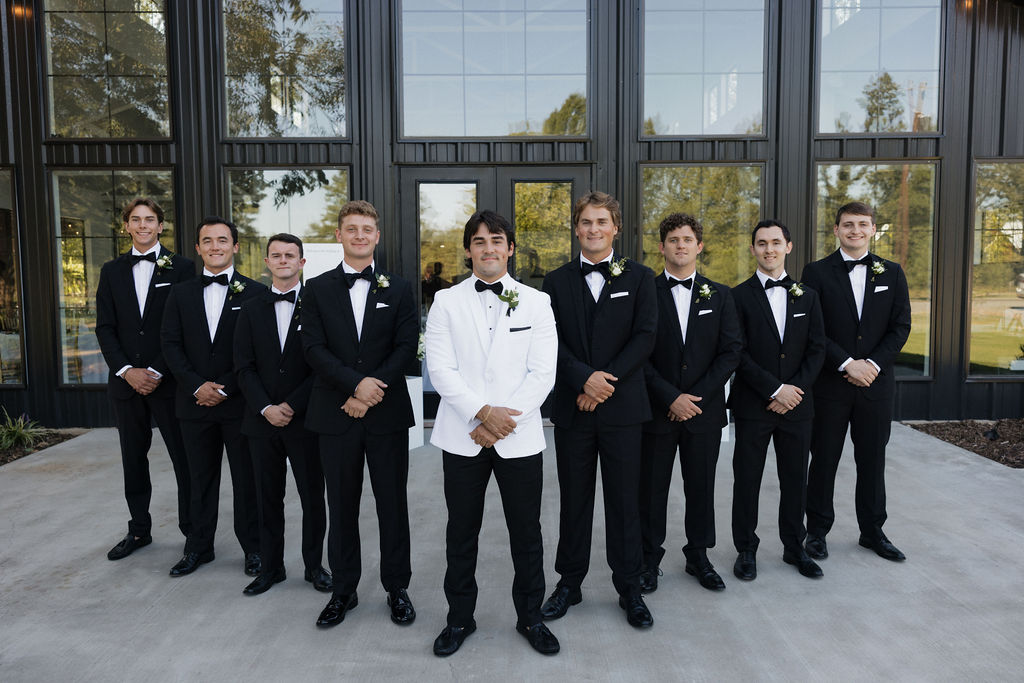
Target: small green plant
18	433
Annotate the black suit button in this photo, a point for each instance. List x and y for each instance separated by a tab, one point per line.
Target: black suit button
782	355
281	370
684	366
359	362
859	337
142	332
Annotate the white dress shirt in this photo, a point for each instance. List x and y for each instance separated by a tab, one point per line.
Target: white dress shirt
595	280
858	281
490	304
142	273
682	296
777	302
283	311
357	294
214	296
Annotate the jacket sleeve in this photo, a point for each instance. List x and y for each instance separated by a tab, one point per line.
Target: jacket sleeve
763	382
186	270
814	350
406	335
835	354
172	342
229	378
106	324
443	363
318	354
570	369
541	359
898	326
728	350
644	331
245	363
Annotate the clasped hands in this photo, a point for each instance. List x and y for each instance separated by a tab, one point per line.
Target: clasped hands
142	380
279	415
369	392
208	394
787	398
495	424
860	373
597	390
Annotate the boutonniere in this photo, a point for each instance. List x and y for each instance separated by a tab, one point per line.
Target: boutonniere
236	287
617	267
383	282
421	348
877	267
796	290
165	262
704	292
511	297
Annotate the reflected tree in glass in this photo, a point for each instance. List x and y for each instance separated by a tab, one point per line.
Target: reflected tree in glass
12	370
444	209
543	227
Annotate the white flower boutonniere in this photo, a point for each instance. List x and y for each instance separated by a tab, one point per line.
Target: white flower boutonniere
704	292
617	267
796	290
165	262
383	282
511	297
877	267
421	348
236	287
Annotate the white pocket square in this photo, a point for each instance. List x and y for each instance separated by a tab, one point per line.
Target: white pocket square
236	308
162	284
299	327
617	294
381	304
705	311
799	315
881	288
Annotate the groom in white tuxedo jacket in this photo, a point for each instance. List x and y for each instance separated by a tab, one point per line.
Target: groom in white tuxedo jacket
491	351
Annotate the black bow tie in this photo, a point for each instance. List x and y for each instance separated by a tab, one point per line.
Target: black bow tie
151	257
601	267
365	274
866	261
672	282
221	279
495	287
287	296
784	282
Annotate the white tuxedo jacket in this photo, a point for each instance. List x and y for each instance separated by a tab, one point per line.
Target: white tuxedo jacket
470	369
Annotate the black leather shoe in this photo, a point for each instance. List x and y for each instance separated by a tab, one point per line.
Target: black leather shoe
321	580
253	564
402	611
706	574
128	545
334	613
745	568
561	599
265	582
540	638
883	547
803	562
816	547
451	638
637	613
649	580
190	562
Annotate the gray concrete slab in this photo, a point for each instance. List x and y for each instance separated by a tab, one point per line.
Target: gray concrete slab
953	611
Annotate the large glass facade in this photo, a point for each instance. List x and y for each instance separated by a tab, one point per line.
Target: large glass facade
727	202
903	197
12	364
106	66
543	223
704	67
997	271
304	202
89	232
483	68
285	68
879	67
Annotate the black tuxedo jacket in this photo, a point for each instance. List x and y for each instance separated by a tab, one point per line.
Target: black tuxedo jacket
625	321
769	362
268	375
880	333
702	365
125	337
193	358
341	359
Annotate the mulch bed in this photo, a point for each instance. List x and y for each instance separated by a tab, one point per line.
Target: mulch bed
998	440
51	437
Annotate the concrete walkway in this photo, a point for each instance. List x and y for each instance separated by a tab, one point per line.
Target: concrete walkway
953	611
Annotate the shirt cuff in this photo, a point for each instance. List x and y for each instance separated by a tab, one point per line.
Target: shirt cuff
120	373
221	392
845	363
778	390
159	375
265	408
875	364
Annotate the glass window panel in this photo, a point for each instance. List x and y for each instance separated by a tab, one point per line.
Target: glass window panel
543	225
727	202
12	365
304	202
704	68
879	67
446	52
137	43
79	107
997	282
76	43
89	232
443	210
138	107
284	71
903	196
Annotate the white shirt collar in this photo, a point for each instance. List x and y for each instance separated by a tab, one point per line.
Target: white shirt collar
764	278
230	272
584	259
847	257
154	249
349	269
296	288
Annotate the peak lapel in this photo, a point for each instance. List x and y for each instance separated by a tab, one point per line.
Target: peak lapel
766	307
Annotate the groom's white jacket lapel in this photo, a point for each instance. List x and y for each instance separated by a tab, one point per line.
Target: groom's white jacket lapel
470	369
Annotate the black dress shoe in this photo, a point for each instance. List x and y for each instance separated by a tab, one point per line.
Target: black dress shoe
253	564
816	547
706	574
745	568
190	562
883	547
402	611
561	599
540	638
265	581
803	562
451	638
128	545
334	613
321	580
649	580
637	613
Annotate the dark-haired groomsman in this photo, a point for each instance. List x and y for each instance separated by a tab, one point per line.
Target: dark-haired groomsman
866	307
360	334
130	302
771	397
607	317
276	382
198	337
698	347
